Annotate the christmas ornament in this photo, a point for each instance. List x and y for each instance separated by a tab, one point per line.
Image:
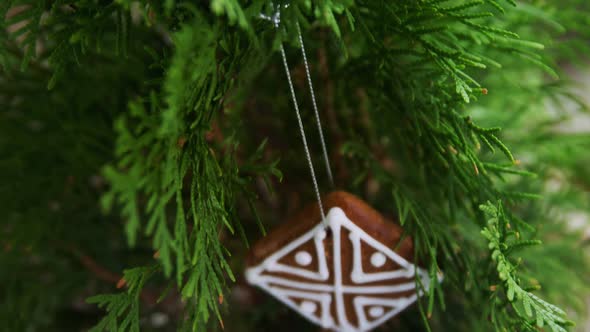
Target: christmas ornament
347	270
352	275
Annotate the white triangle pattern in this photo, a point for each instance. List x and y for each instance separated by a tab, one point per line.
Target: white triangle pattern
408	270
394	306
324	299
272	262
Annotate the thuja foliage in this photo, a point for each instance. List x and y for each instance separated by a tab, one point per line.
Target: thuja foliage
503	242
146	143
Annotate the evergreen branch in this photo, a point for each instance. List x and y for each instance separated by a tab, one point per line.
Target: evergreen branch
123	308
23	20
507	169
197	180
232	9
461	7
502	244
163	74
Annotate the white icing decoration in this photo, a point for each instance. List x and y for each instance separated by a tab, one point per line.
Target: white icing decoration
376	311
391	307
378	259
303	258
360	277
321	292
308	306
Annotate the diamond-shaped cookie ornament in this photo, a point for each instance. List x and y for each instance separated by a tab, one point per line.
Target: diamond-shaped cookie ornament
351	276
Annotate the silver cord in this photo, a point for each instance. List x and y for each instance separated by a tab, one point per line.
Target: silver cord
315	108
276	19
315	183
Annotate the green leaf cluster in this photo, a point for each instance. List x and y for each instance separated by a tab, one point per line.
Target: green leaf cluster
532	310
157	137
124	305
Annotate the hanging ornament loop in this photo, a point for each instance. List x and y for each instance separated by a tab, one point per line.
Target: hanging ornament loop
276	19
302	131
315	108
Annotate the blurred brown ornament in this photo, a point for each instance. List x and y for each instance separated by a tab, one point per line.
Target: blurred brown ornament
351	272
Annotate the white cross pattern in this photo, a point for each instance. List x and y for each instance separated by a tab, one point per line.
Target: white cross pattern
344	297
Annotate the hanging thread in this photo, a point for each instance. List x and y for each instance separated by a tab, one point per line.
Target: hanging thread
315	182
275	19
315	108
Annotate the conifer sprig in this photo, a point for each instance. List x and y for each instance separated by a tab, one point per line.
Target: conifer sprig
160	108
529	308
122	309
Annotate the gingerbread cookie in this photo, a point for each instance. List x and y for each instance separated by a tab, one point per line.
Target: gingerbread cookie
352	275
